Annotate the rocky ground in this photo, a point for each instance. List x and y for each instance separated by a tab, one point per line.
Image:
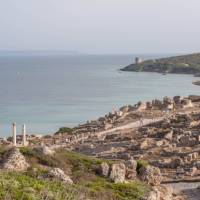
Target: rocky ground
156	143
40	173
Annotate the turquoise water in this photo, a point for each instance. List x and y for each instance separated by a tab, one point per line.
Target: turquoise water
47	92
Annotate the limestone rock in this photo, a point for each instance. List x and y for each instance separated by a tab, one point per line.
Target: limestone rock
168	103
146	143
154	194
151	175
187	103
15	161
169	135
45	150
160	193
60	174
131	166
118	172
104	169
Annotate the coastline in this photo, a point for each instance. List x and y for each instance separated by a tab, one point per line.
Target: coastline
164	133
184	64
67	101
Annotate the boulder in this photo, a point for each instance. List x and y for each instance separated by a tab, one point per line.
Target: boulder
154	194
104	169
187	103
15	161
169	135
131	166
60	175
146	143
118	172
44	150
163	192
160	193
160	143
168	103
151	175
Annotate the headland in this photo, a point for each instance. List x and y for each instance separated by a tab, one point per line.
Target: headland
185	64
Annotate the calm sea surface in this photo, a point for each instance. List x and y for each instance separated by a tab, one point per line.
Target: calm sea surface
48	92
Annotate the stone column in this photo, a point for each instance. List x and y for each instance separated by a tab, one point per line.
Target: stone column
24	135
14	134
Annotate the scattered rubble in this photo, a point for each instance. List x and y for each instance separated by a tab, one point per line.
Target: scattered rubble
14	161
60	174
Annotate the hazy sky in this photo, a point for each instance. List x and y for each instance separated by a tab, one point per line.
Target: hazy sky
101	26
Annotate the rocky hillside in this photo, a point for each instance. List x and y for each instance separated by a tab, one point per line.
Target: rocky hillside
186	64
32	174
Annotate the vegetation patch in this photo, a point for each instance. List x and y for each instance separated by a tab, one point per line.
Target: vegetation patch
35	185
35	157
22	187
120	191
140	164
64	130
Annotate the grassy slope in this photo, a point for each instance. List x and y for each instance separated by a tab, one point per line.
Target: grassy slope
187	64
88	185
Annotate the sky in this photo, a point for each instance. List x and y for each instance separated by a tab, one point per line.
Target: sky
100	26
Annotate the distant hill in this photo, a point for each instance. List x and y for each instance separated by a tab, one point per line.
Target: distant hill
186	64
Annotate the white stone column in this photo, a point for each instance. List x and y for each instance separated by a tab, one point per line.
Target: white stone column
24	135
14	134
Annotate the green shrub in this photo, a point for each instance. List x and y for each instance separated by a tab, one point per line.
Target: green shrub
36	157
31	184
120	191
65	130
22	187
130	191
140	164
2	151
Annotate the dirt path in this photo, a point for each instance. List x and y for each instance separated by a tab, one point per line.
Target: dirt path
137	124
132	125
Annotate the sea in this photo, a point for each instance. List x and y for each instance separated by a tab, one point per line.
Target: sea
49	91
